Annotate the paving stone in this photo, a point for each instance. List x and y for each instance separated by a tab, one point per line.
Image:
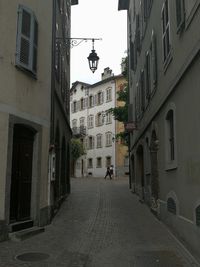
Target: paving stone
101	224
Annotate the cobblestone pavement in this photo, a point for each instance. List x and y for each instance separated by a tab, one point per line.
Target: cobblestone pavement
101	224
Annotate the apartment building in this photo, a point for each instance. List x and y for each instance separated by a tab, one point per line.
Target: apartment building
163	49
33	172
92	122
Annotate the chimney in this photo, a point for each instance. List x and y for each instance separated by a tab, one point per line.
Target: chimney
107	73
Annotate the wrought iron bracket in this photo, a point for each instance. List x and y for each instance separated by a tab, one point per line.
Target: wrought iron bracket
72	42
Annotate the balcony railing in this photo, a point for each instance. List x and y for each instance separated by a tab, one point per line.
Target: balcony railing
79	131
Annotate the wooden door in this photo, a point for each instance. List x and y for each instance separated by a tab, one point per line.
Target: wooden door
21	180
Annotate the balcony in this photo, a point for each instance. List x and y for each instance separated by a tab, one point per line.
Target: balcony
79	131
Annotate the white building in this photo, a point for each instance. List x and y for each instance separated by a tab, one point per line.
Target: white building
94	124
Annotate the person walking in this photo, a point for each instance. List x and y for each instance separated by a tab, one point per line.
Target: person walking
108	173
111	171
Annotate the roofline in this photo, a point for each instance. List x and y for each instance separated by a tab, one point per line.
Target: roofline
107	80
78	82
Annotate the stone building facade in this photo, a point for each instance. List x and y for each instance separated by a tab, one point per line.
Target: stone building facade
96	127
163	50
31	110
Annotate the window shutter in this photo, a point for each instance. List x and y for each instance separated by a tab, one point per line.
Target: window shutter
93	140
102	97
27	40
35	46
86	102
23	38
96	120
95	100
72	107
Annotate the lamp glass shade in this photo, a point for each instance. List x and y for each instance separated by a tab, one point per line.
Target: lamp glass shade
93	60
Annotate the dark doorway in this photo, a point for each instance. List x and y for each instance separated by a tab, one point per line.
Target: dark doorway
21	178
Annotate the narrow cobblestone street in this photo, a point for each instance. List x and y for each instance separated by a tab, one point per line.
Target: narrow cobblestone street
101	224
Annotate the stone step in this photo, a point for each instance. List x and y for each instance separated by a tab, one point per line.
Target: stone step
20	225
27	233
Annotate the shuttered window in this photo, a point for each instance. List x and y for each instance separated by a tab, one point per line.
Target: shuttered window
27	40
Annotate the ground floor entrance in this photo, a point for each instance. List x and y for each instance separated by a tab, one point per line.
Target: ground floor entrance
21	177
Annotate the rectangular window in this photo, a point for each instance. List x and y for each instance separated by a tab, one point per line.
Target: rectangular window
109	139
99	141
91	101
166	31
82	121
90	142
75	106
90	121
90	163
108	117
99	163
108	94
27	40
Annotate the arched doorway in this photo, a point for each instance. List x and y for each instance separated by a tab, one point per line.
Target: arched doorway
140	171
154	171
21	176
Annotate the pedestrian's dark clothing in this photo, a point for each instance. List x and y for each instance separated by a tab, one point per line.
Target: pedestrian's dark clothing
111	171
108	173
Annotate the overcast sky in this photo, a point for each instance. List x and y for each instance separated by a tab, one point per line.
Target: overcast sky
97	19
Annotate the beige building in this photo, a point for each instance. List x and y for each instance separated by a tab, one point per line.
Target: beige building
121	152
163	49
95	126
29	112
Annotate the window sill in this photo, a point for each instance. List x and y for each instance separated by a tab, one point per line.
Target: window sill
170	166
26	71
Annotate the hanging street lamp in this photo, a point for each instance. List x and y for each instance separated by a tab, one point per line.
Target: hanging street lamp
93	59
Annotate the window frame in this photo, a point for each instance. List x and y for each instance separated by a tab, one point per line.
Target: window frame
108	139
166	36
97	161
171	161
99	140
31	40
